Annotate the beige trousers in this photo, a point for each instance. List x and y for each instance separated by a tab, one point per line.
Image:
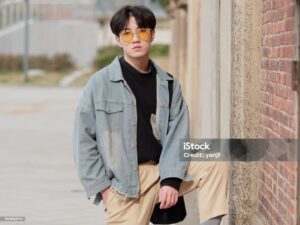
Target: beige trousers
210	179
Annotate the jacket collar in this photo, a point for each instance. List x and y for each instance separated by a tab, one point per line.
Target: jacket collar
115	72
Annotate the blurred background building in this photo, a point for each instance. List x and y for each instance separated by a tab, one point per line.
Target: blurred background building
74	27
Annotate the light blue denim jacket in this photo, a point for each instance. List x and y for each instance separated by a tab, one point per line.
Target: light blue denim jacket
105	130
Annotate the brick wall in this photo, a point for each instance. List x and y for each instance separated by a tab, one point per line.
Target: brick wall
277	198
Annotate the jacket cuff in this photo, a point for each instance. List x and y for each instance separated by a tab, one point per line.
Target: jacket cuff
98	187
172	182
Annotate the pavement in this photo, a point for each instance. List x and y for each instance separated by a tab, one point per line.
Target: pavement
38	178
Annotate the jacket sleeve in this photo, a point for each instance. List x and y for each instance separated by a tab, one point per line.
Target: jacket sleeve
88	160
171	160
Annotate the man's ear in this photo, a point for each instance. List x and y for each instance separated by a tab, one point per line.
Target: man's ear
152	35
118	41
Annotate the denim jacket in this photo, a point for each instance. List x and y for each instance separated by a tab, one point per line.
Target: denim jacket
105	130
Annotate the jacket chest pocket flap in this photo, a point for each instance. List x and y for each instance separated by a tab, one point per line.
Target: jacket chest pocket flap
108	114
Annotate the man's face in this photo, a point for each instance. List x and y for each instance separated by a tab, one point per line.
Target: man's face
135	41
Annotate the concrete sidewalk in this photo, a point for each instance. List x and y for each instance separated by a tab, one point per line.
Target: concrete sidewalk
38	178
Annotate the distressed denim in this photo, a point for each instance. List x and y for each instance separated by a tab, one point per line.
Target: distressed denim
105	132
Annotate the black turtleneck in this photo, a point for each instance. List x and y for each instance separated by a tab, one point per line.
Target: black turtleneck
143	86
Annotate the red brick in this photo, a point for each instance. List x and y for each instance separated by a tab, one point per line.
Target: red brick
290	108
282	79
275	53
269	74
276	87
285	133
282	211
277	80
274	126
289	11
280	27
291	219
291	95
283	118
277	4
287	52
270	99
292	193
291	123
270	88
283	92
285	66
292	166
274	189
279	103
273	175
288	78
265	110
284	172
274	165
286	39
291	178
265	167
289	24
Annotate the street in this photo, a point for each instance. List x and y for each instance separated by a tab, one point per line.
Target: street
38	178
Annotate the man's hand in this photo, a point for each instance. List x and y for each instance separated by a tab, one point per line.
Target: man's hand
168	196
104	194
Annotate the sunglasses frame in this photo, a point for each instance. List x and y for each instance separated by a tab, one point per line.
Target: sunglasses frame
137	33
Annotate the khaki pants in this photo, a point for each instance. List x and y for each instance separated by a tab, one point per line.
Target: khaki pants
210	179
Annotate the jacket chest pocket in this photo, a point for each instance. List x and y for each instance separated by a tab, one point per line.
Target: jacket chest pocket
108	115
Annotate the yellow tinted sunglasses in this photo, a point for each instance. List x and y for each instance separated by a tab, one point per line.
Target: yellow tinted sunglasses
144	34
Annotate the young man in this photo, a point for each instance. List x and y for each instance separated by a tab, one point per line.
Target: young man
127	137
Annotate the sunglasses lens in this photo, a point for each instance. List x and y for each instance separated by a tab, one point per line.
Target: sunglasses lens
127	36
144	34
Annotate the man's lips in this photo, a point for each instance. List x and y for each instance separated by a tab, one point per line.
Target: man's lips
137	47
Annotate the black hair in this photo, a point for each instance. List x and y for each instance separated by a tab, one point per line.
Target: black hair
144	18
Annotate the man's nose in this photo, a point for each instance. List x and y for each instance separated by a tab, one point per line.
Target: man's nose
135	37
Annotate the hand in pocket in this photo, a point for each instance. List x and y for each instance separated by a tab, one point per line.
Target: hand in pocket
105	194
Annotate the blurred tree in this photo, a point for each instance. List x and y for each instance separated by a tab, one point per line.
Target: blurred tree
163	3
